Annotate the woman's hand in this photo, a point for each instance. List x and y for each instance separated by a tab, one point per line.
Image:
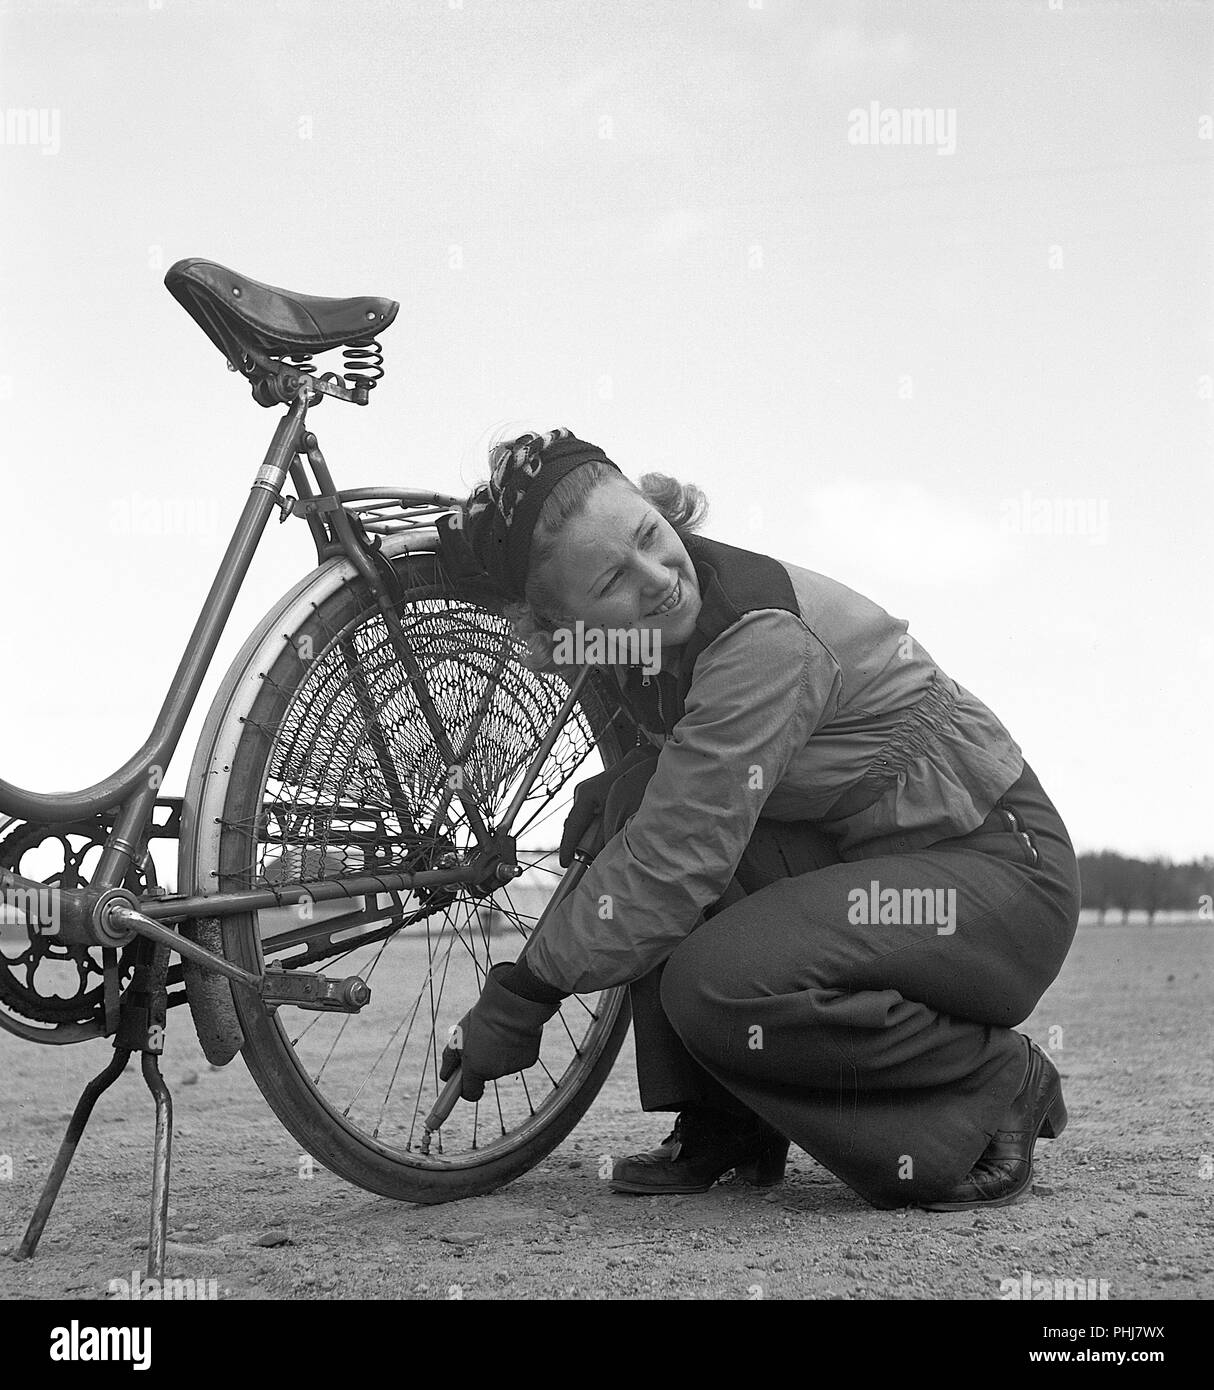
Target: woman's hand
590	797
498	1036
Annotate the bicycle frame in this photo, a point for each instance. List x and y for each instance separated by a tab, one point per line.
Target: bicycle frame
119	811
133	788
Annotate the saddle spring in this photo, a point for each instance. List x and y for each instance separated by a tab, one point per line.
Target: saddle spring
364	363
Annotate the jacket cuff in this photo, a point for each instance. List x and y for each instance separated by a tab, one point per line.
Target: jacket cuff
520	980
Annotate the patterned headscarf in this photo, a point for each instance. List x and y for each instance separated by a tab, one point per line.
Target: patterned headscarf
500	515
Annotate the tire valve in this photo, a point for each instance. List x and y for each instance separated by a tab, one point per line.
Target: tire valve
443	1106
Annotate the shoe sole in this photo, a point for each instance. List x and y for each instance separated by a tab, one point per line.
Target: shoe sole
1053	1122
746	1174
635	1189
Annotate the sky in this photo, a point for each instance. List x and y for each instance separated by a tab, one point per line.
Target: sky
962	364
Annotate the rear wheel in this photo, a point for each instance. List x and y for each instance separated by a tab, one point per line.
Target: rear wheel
334	770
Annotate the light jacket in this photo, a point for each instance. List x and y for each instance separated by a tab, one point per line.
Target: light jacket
796	698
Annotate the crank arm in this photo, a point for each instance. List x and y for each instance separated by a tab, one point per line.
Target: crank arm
277	986
117	919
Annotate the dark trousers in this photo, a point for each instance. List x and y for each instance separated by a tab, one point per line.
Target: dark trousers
884	1049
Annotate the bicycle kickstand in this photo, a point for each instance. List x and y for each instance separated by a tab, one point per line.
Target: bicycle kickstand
141	1028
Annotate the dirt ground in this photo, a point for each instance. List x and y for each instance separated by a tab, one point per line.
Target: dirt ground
1125	1196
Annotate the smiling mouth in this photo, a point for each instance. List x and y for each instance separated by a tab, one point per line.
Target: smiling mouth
672	601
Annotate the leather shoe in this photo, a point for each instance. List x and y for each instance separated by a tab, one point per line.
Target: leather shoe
1005	1169
703	1146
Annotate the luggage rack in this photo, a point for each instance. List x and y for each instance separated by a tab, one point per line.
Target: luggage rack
377	512
387	514
382	511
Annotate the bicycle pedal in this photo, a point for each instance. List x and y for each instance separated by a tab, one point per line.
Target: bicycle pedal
304	990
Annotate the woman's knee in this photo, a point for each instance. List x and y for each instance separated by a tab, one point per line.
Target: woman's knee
695	989
713	974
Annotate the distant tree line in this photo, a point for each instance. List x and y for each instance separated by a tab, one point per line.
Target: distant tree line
1114	882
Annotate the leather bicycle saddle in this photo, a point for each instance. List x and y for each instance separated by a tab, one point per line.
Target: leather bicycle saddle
272	320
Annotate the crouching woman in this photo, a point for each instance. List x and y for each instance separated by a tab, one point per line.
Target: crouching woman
835	884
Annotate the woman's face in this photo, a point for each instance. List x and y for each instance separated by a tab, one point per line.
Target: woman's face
620	564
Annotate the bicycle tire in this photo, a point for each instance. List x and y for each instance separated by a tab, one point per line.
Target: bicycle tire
271	1057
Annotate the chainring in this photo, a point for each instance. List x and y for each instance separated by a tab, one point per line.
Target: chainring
43	979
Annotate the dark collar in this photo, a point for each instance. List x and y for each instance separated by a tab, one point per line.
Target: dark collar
717	612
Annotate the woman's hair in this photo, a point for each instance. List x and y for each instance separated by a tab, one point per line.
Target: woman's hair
683	505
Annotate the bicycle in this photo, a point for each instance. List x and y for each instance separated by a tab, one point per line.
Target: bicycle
372	777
